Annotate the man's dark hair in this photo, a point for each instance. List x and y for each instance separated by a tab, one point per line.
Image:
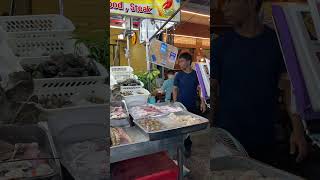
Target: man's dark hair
186	56
170	72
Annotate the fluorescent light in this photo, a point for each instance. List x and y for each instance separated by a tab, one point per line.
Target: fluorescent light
196	37
121	27
198	14
117	27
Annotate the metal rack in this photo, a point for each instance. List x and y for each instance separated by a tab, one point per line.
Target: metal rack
144	145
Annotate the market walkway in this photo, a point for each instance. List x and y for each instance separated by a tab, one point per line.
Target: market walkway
199	162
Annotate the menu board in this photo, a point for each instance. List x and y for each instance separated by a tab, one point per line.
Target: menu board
162	54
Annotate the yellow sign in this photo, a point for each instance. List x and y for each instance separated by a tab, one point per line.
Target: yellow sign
153	9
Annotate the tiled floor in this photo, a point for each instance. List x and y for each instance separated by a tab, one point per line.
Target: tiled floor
199	162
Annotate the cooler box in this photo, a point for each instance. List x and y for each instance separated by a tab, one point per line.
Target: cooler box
151	167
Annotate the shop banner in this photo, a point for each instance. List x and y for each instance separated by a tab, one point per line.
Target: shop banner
162	54
153	9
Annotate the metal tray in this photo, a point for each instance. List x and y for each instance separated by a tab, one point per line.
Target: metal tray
33	133
135	134
170	132
245	164
120	122
175	104
123	105
141	145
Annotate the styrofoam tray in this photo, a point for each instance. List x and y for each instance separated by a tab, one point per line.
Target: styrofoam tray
137	99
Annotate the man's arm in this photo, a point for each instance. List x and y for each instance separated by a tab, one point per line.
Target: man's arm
298	143
175	90
175	93
203	105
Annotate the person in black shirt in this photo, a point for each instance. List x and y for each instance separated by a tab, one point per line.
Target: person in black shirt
246	67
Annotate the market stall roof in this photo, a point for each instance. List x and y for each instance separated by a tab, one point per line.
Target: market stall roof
192	29
199	6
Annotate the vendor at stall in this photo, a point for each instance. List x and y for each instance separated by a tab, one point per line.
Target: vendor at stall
167	86
246	67
185	91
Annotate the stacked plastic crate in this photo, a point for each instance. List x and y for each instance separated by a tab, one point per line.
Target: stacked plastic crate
32	40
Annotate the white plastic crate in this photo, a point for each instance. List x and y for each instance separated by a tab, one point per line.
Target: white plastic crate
68	120
35	26
43	47
120	69
121	73
131	89
52	85
137	99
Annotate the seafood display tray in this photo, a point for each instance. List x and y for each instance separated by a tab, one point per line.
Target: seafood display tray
170	132
119	121
246	164
141	145
34	133
175	104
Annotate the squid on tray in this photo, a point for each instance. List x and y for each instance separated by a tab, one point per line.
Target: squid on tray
117	113
119	136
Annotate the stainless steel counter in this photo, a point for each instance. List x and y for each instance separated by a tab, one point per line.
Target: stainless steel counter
142	146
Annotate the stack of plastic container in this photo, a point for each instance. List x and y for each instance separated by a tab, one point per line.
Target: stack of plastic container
31	40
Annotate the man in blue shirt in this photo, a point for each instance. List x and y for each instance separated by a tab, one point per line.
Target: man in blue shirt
185	91
246	68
